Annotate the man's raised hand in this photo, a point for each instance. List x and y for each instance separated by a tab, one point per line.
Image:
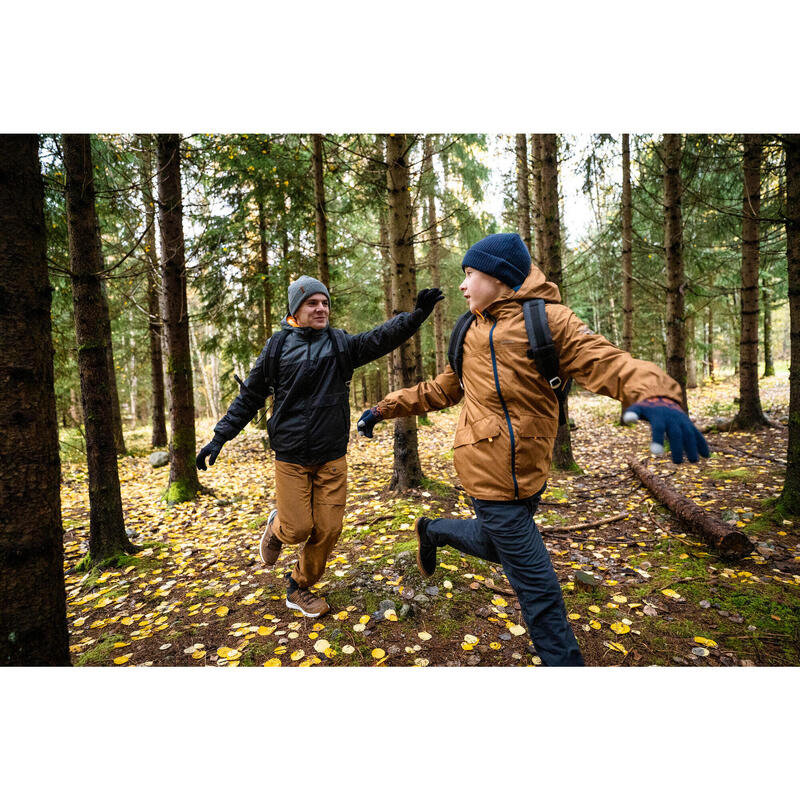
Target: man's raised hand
666	416
427	299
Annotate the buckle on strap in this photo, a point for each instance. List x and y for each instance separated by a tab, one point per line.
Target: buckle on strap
555	383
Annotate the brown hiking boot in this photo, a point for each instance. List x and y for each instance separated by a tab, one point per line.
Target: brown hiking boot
307	602
269	548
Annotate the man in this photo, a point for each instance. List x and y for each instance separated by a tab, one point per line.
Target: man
309	427
505	435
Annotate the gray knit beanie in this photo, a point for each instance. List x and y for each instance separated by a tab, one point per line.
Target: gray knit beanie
302	288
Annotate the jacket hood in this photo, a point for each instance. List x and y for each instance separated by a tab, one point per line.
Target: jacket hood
535	285
307	331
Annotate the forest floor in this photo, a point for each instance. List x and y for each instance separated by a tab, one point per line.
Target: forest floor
197	594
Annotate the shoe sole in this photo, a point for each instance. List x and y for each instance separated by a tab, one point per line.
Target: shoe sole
262	545
304	612
419	560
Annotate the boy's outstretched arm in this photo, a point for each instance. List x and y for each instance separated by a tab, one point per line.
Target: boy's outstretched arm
441	392
644	389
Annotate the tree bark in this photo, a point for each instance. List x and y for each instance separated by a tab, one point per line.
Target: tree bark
183	482
523	194
107	537
439	338
33	612
673	247
388	303
266	320
319	208
159	437
551	249
627	247
116	413
536	202
407	471
691	360
750	414
727	539
769	364
710	340
789	501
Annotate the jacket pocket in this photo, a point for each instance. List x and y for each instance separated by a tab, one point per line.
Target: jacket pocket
486	428
534	426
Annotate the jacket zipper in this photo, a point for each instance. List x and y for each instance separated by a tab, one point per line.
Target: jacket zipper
505	411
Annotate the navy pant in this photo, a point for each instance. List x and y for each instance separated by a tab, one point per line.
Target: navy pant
504	532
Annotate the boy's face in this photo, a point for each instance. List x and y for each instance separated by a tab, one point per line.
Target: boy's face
313	312
479	289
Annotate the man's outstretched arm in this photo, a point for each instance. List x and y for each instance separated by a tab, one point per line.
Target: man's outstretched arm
372	344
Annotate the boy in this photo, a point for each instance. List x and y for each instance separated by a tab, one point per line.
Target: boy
505	435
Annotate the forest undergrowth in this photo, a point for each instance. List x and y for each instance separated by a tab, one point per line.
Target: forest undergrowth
196	593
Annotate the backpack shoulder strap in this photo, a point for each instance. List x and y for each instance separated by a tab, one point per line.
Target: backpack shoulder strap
543	350
455	348
273	358
339	342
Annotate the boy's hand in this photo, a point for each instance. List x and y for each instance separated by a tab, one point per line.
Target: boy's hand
427	299
368	420
210	451
665	415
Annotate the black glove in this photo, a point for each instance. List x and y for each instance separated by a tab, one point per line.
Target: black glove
368	420
427	299
210	451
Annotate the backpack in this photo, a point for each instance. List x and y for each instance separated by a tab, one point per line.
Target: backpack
542	349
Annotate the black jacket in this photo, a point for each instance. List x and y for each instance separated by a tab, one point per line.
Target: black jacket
310	420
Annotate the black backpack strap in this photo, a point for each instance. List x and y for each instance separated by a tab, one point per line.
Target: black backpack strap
543	351
455	349
339	342
273	357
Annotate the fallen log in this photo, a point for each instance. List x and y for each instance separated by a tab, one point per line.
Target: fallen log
727	540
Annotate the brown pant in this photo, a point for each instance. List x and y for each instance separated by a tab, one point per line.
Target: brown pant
310	509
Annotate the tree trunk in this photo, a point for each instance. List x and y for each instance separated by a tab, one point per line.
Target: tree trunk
523	195
536	204
769	364
264	272
107	537
673	246
388	303
183	482
691	360
551	250
116	413
789	501
33	612
319	207
727	539
627	247
439	337
159	437
407	472
710	348
750	414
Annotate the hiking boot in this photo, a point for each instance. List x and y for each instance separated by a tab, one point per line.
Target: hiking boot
426	549
309	604
269	548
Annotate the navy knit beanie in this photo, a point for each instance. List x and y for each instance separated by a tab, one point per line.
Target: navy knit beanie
502	255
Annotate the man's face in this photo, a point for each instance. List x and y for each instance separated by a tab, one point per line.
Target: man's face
479	289
313	312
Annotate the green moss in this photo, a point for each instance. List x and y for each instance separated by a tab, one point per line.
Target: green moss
101	652
437	488
371	602
740	474
180	491
448	626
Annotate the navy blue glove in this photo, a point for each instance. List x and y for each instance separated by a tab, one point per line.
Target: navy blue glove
210	451
665	415
368	420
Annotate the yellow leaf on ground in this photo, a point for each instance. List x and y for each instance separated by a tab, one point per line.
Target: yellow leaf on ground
123	659
358	627
348	649
421	662
297	655
495	645
377	653
321	645
706	642
595	624
620	628
574	616
222	611
619	598
424	635
470	639
198	654
262	631
517	630
390	614
616	646
272	662
363	619
594	609
670	593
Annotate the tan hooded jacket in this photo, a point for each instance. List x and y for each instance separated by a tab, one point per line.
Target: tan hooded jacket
504	440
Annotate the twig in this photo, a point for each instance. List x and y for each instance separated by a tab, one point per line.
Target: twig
584	525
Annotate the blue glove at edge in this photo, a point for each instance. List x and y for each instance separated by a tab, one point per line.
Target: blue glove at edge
666	416
368	420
